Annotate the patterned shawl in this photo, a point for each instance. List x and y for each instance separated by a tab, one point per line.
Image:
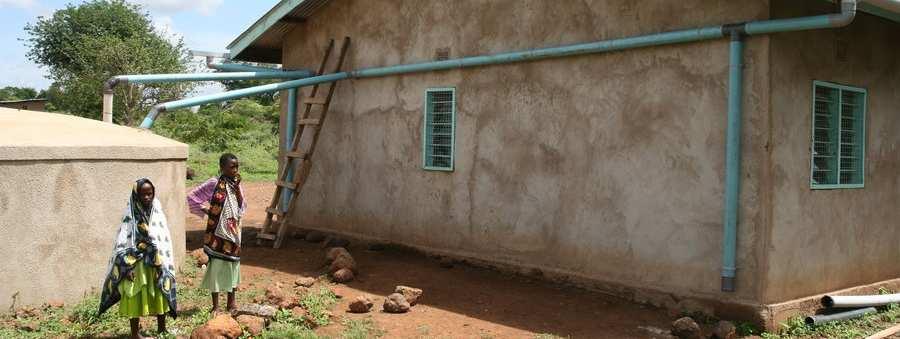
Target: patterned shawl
223	227
143	236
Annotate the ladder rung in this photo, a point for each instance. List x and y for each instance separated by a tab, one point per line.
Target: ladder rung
267	236
308	122
315	100
275	211
296	155
288	185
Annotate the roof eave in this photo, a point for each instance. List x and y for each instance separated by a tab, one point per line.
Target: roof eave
237	47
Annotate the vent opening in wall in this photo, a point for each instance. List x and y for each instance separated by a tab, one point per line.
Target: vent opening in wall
439	133
838	136
441	54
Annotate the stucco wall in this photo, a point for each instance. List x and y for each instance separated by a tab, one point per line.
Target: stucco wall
607	167
824	240
59	218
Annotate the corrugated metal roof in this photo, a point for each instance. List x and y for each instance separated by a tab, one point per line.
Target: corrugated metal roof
262	41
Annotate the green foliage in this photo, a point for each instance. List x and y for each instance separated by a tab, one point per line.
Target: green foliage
244	127
84	45
746	329
360	329
318	303
263	99
20	93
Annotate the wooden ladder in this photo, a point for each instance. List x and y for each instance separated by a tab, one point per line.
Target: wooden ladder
298	158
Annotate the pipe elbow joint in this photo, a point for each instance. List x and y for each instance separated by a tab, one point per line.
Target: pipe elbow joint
110	84
848	13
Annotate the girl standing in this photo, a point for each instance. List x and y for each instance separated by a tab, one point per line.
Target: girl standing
141	270
221	200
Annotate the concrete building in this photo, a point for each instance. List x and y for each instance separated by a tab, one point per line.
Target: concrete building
65	184
609	169
28	105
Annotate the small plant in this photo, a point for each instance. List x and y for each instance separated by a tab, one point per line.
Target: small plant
318	303
360	329
746	329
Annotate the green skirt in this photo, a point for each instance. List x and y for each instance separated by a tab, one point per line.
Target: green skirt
141	296
221	275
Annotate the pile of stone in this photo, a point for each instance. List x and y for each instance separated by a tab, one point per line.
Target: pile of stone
401	301
341	265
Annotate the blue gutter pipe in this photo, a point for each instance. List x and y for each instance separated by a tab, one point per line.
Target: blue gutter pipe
732	160
161	78
289	143
733	131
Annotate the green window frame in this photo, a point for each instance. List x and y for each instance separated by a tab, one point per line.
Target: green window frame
838	145
439	131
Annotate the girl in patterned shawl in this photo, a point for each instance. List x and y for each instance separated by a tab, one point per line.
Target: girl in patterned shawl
221	200
141	271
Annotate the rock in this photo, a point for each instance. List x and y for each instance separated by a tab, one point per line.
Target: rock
26	312
693	308
299	234
396	303
336	242
343	261
27	326
411	294
315	236
254	325
200	256
305	282
56	303
447	262
686	328
362	304
335	252
256	310
275	296
342	276
725	330
222	326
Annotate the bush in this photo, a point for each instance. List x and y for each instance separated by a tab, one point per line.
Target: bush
244	127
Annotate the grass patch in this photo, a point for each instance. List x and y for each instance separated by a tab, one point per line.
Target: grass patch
360	329
855	328
318	303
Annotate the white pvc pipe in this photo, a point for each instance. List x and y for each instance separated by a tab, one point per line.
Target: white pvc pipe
847	301
107	107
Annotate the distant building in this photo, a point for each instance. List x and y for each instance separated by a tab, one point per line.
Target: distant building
29	105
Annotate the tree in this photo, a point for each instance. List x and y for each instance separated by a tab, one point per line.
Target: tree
84	45
20	93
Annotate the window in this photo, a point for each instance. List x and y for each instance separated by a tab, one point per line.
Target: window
838	136
440	129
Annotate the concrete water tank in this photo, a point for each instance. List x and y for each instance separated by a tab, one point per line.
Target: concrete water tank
64	183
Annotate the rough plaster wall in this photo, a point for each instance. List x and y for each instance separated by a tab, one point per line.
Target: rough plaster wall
826	240
609	167
59	219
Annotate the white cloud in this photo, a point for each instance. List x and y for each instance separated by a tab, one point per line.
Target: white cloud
166	27
26	4
205	7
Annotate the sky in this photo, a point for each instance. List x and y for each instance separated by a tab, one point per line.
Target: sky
207	25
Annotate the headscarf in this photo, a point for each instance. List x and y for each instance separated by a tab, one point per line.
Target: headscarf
143	237
223	227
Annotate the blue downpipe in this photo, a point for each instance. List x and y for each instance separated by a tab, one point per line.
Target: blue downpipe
732	160
288	143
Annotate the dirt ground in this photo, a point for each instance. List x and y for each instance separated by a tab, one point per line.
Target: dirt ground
458	302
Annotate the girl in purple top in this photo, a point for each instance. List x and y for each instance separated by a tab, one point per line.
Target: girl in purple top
223	203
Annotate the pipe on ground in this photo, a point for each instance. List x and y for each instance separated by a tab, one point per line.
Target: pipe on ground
848	301
826	318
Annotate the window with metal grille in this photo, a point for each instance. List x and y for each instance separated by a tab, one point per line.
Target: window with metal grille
838	136
440	129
